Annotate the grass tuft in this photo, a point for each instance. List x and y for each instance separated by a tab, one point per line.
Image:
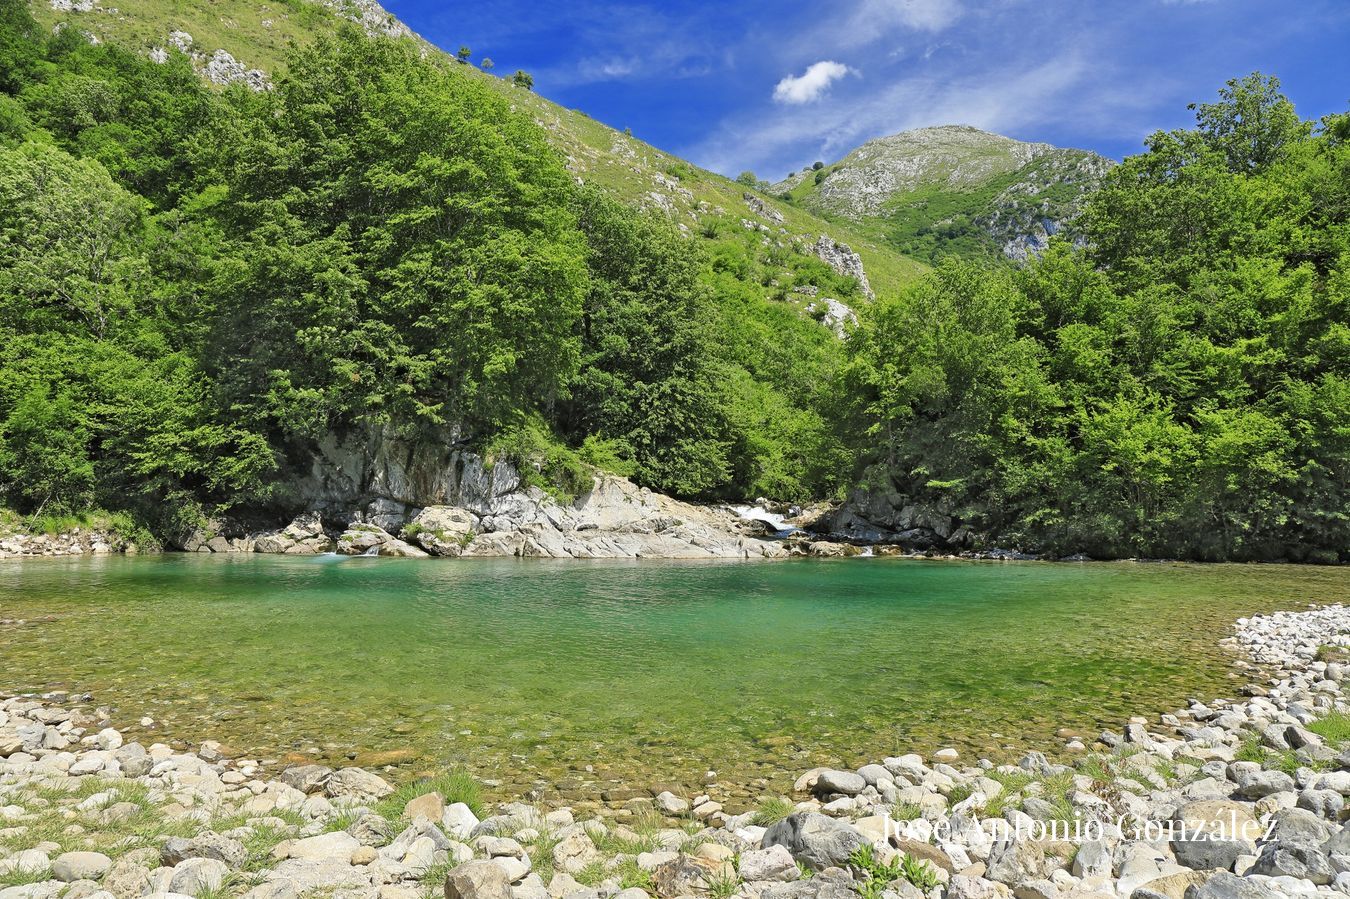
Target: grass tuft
1334	728
454	786
772	810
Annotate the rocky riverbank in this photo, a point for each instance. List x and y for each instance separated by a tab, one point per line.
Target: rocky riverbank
1239	797
72	542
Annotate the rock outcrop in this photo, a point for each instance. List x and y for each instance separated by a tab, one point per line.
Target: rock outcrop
1018	193
877	512
384	494
842	259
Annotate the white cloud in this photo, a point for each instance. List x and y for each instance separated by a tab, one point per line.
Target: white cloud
1004	98
811	84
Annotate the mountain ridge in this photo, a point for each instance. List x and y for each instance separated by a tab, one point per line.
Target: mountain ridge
953	188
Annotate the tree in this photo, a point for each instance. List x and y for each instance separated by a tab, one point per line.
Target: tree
487	65
421	265
44	453
464	55
646	383
523	79
67	243
817	165
747	178
1251	124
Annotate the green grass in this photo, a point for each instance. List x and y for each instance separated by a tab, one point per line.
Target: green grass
592	875
22	877
1334	728
918	872
936	219
771	810
433	881
257	34
121	526
258	847
609	842
1251	750
454	786
541	852
630	876
873	873
722	886
906	811
1286	760
1013	783
960	793
1167	770
343	819
1055	790
1329	653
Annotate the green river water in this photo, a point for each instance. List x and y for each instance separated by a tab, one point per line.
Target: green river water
576	678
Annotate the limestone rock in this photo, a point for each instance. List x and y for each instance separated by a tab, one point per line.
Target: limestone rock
814	839
72	866
477	880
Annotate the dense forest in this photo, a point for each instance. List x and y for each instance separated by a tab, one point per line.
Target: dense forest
197	284
1178	387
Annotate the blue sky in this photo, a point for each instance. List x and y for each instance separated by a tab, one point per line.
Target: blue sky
772	86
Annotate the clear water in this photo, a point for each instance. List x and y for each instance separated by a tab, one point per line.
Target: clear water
572	678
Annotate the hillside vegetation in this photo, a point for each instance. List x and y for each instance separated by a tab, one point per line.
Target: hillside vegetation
704	204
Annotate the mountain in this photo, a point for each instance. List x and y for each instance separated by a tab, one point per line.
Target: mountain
952	189
238	40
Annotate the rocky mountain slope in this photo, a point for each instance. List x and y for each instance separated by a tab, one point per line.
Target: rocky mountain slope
952	189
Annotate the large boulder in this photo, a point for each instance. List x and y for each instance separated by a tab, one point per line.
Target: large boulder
198	875
1225	885
357	784
307	778
336	845
846	782
815	840
1206	853
1291	860
830	884
687	875
207	844
1299	827
1220	818
72	866
774	863
1262	783
442	530
1013	861
478	880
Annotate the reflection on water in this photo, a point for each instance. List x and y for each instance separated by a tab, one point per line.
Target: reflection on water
531	671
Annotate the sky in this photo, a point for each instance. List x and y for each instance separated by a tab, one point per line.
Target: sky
772	85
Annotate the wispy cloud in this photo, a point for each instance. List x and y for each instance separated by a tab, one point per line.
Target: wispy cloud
706	79
922	15
1006	99
812	84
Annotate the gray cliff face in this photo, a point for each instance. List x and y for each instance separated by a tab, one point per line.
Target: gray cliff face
364	491
957	157
843	260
